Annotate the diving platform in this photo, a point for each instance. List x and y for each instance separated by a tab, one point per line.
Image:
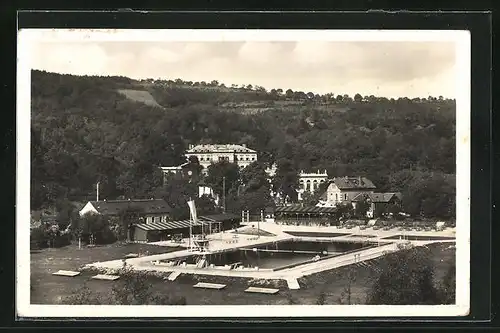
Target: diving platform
173	276
292	283
209	285
259	290
66	273
105	277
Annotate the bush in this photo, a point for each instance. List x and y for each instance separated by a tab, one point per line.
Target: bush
133	288
48	236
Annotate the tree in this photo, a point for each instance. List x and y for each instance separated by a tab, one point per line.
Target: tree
448	285
285	181
406	278
358	98
254	192
289	94
127	217
362	208
177	191
94	226
309	198
205	205
216	174
346	294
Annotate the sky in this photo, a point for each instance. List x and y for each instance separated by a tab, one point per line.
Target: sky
389	69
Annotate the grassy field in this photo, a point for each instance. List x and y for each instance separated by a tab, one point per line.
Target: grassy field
49	289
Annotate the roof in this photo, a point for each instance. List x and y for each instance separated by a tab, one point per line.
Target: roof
305	209
221	217
220	148
377	197
350	183
148	206
170	225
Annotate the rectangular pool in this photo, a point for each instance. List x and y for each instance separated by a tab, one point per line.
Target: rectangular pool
280	254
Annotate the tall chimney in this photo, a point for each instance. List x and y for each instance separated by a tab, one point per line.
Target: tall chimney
359	180
97	191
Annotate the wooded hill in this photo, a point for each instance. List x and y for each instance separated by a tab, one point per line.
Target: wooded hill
118	131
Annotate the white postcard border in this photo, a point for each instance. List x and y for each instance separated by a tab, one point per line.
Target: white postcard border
27	37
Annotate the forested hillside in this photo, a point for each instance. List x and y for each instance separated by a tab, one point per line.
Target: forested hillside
85	129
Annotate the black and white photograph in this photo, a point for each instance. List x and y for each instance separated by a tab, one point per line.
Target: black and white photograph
213	172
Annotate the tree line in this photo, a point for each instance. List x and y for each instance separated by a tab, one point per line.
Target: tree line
84	131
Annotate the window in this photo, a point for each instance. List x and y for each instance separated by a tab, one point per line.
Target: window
164	218
149	219
345	196
336	197
247	158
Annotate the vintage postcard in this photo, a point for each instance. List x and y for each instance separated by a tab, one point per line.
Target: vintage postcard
178	173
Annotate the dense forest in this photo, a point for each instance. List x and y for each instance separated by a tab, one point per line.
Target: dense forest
88	129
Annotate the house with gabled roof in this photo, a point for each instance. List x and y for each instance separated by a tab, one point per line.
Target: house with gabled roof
149	210
342	190
378	203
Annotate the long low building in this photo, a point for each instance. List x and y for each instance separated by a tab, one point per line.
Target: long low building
306	215
167	230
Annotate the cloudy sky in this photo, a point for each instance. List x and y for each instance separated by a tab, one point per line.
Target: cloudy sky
391	69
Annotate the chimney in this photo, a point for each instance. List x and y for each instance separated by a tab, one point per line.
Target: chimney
191	146
244	145
359	181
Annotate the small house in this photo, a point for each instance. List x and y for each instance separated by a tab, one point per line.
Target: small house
378	203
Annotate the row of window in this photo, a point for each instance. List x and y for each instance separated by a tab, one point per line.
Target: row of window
314	181
155	219
222	158
337	197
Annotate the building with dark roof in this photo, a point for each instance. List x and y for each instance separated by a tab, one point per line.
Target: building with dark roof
306	215
379	203
149	210
344	189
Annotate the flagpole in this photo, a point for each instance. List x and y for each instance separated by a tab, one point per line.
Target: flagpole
190	227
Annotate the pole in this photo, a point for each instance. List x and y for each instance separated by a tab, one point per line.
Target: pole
97	191
190	227
224	195
258	223
79	243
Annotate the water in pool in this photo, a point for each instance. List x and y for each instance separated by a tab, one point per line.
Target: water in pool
280	254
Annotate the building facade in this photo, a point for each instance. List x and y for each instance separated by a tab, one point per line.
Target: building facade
310	182
240	155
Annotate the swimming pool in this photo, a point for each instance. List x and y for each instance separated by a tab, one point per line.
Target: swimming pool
277	255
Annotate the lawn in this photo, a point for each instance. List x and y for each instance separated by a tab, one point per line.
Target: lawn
49	289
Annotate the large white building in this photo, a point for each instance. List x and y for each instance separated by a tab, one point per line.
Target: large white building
241	155
310	181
